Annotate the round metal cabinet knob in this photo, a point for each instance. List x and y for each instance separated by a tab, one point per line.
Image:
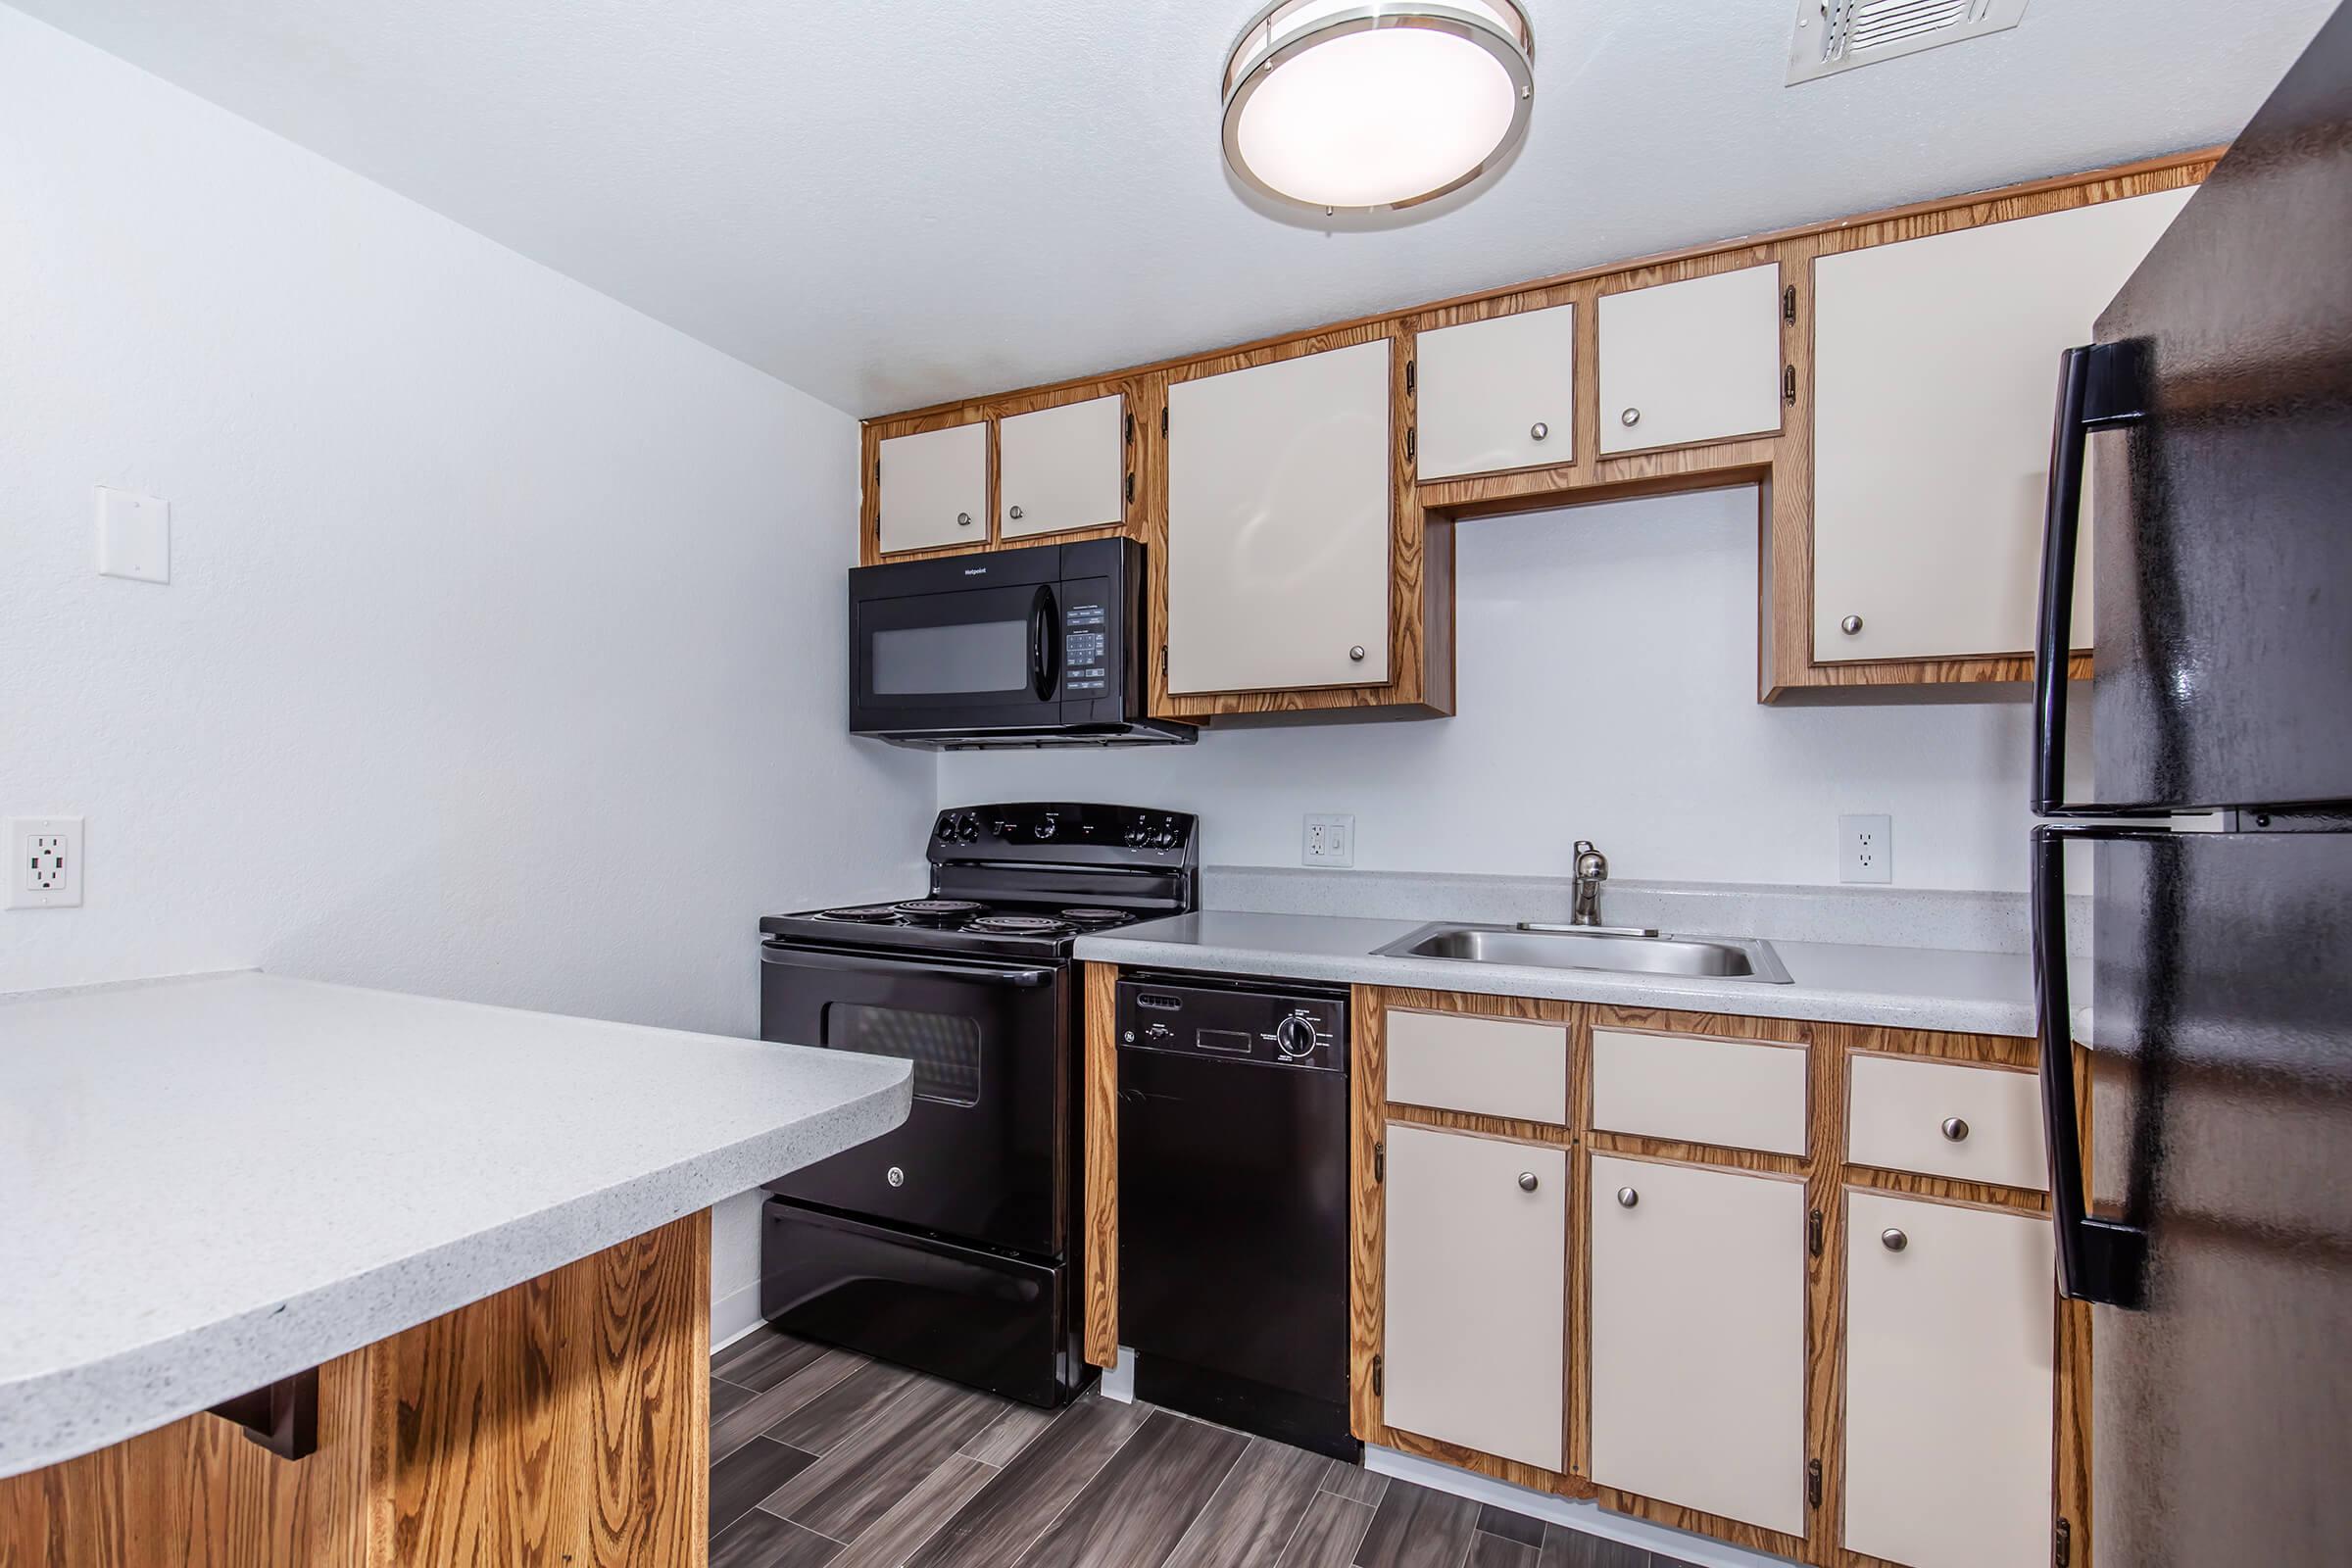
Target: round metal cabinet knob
1954	1128
1537	432
1014	514
1893	1240
1357	652
1630	417
963	519
1527	1181
896	1177
1627	1197
1851	626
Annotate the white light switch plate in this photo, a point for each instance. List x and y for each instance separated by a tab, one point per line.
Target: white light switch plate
44	862
1330	840
134	536
1866	849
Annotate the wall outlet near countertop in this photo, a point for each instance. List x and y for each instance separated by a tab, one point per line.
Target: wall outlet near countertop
44	858
1866	849
1330	840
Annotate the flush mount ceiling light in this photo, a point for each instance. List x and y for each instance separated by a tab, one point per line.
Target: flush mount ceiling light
1349	106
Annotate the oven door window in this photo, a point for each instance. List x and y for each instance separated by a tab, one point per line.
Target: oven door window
944	1047
982	648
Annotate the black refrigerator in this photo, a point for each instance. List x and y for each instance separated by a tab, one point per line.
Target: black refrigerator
2213	417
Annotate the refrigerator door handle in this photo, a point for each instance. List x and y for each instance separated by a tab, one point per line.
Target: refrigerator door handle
2099	1260
2100	387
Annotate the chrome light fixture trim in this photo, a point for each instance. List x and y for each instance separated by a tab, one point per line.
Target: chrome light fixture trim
1499	27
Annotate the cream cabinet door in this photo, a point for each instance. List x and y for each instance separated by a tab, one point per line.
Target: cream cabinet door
1950	1384
934	488
1495	394
1699	1338
1695	361
1934	369
1062	468
1476	1289
1280	496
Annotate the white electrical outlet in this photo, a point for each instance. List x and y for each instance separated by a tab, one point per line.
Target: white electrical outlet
1330	841
44	862
1866	849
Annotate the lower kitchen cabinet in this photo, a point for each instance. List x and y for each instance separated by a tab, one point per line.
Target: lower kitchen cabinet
1699	1338
1950	1378
1476	1336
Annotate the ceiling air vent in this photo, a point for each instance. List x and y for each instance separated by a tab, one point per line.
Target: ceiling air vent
1833	35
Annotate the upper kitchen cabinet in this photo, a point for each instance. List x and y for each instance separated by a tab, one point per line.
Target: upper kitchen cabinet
1693	361
1496	393
1293	563
1935	361
930	489
1065	465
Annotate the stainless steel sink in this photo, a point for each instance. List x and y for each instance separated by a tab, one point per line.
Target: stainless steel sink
1594	948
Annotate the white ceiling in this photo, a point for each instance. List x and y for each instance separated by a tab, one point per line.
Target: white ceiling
895	202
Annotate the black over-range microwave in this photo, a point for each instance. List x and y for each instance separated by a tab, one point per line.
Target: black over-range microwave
1042	645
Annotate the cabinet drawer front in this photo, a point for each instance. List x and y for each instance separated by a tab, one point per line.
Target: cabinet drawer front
1695	361
1062	468
1932	384
1497	1066
1737	1093
1699	1338
1486	388
1949	1384
930	484
1902	1105
1280	502
1477	1291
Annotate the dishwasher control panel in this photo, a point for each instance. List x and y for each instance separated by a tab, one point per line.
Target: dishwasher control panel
1280	1026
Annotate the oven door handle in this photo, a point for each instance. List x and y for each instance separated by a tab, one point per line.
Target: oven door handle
774	951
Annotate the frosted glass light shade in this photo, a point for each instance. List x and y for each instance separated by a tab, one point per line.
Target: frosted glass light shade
1367	107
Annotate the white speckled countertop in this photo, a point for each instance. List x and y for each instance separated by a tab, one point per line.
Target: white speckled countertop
1911	988
211	1183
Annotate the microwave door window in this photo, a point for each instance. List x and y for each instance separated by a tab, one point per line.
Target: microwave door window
982	655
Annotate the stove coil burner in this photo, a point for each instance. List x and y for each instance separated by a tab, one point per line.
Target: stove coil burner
863	913
1016	925
938	910
1095	917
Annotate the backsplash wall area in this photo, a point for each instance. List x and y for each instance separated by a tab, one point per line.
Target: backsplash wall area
1606	680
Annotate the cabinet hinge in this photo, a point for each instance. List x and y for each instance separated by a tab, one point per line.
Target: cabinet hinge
1813	1483
1408	379
1131	430
1410	444
1788	303
1789	383
1163	661
1380	1161
1163	419
1813	1232
1131	487
2062	1544
1379	1374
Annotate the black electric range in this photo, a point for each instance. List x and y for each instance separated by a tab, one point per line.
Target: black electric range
952	1243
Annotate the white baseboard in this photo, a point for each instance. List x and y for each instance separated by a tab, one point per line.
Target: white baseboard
1119	1382
734	1315
1569	1514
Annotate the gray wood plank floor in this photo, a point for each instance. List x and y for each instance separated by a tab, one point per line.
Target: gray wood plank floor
821	1458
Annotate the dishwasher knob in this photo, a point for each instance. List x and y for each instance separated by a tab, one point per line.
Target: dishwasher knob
1295	1038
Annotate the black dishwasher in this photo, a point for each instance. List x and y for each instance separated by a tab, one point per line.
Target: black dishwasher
1233	1202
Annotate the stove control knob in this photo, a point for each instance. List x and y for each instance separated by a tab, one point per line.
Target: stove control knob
1137	835
1045	827
1164	838
969	831
1295	1038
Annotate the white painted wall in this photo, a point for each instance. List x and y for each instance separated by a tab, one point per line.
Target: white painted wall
501	654
1607	691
